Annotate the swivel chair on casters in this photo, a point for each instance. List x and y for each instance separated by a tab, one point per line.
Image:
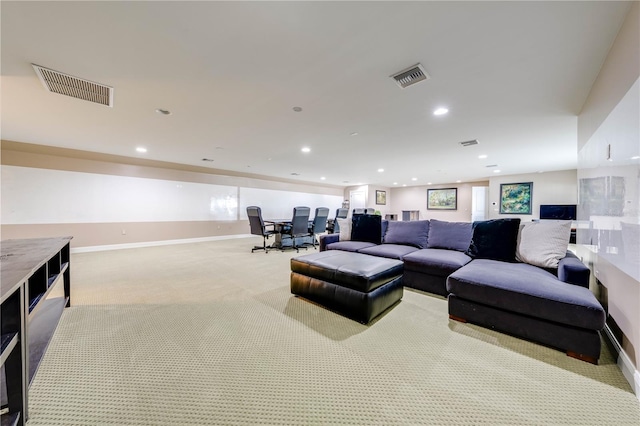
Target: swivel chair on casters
259	228
299	227
319	225
332	226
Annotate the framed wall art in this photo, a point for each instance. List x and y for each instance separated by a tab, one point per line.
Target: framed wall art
515	198
381	197
442	199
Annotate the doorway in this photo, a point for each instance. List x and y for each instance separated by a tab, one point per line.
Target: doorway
479	203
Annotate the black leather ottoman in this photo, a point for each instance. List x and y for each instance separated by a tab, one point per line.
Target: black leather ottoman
359	286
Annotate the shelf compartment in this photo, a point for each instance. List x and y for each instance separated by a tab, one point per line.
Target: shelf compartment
10	419
8	343
34	301
41	329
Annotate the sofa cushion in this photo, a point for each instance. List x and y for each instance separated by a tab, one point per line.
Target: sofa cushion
349	245
435	261
528	290
393	251
344	226
367	227
449	235
411	233
543	243
494	239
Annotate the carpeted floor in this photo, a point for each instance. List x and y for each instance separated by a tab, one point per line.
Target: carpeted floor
208	333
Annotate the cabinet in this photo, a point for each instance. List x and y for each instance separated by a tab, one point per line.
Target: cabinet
30	270
410	215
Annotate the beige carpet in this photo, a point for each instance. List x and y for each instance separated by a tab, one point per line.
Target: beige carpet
208	333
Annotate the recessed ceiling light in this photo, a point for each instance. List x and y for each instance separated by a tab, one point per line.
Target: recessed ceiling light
635	157
380	170
306	149
163	111
440	111
354	134
496	171
323	178
141	149
429	183
414	179
297	109
483	156
458	181
395	183
404	184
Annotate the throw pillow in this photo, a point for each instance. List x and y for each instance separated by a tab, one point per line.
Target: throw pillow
345	229
411	233
367	228
494	239
449	235
543	243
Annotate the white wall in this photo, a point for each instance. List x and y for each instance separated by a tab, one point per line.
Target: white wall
610	117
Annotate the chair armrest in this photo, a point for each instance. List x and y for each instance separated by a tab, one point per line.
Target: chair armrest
328	239
571	270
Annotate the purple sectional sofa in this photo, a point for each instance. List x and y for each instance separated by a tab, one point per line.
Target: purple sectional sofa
475	267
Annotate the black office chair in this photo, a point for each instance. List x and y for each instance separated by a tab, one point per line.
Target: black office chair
299	227
258	227
333	227
319	225
369	210
358	211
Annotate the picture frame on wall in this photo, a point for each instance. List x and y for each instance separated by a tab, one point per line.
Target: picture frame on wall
515	198
442	199
381	197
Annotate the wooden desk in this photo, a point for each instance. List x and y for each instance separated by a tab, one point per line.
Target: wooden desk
29	269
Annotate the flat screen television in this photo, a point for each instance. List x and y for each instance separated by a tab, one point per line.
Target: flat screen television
558	211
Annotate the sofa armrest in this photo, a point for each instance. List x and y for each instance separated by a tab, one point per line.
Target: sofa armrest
328	239
571	270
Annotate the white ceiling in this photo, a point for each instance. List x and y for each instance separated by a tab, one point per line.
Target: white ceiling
514	76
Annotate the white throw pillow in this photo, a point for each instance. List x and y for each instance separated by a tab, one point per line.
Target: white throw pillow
345	229
543	243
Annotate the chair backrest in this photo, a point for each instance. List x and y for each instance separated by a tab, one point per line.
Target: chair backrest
358	211
300	221
255	220
370	210
342	213
320	220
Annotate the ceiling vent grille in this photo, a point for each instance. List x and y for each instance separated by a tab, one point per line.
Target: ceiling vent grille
469	143
410	76
64	84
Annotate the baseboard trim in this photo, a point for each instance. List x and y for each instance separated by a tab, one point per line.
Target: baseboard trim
156	243
624	363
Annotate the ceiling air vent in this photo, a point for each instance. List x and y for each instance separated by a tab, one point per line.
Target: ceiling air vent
469	143
410	76
64	84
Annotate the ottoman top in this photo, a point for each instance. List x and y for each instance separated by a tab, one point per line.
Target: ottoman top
357	271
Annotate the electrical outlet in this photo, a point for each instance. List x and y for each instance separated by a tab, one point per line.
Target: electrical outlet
124	232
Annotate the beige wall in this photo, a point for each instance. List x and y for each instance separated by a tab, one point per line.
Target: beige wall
96	234
415	198
548	188
611	92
